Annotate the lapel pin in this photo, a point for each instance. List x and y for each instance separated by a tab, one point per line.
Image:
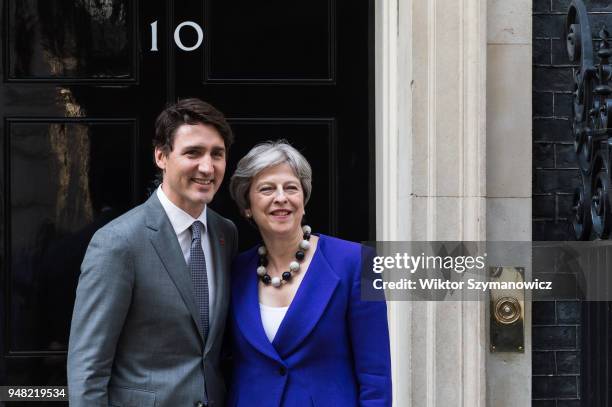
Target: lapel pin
222	241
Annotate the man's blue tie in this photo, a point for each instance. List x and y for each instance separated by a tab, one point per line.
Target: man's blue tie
197	267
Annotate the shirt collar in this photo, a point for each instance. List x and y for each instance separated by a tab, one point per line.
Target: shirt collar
179	219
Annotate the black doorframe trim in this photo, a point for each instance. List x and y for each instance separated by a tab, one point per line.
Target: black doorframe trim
372	119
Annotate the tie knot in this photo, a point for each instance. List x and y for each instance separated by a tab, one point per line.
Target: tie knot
196	230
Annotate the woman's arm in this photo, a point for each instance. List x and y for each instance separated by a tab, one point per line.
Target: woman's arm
369	335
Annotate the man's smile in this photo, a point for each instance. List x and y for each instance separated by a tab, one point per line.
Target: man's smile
203	181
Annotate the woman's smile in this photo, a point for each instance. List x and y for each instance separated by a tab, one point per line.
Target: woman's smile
281	214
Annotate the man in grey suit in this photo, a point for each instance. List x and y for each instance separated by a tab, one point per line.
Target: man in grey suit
151	303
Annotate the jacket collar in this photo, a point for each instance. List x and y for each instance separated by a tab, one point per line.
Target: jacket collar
307	307
166	245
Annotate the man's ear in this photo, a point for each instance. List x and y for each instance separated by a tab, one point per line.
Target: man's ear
160	158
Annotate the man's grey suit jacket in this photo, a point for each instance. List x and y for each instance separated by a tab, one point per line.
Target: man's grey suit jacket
136	336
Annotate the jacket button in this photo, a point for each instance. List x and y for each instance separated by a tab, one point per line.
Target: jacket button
200	404
282	370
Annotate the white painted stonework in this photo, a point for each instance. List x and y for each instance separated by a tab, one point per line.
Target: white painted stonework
453	163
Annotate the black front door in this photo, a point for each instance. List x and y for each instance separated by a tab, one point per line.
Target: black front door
82	84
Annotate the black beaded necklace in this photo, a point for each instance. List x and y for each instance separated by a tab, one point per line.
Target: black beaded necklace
294	266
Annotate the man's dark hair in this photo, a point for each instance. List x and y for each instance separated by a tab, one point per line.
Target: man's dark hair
189	111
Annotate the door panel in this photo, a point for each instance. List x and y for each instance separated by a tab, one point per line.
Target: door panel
62	187
272	41
54	39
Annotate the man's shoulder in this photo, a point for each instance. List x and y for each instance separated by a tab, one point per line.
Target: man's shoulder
126	224
219	221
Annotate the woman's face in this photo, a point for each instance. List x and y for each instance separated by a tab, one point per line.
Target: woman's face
277	201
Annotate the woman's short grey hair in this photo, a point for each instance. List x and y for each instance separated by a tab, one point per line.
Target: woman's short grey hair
266	155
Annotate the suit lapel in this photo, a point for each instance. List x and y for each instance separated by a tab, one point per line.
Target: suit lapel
166	245
246	307
308	305
219	253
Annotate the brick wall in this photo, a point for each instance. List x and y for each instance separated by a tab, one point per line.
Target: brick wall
556	359
556	324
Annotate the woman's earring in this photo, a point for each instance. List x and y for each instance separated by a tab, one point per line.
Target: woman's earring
247	214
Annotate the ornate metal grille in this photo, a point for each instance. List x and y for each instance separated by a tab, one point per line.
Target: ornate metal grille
592	107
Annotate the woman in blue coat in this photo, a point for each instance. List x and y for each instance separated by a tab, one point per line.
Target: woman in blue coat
299	333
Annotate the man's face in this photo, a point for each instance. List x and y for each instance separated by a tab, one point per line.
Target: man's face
194	169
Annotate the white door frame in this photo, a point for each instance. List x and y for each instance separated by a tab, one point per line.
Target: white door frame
442	98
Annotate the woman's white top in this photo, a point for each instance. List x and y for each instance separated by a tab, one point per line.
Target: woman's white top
271	318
